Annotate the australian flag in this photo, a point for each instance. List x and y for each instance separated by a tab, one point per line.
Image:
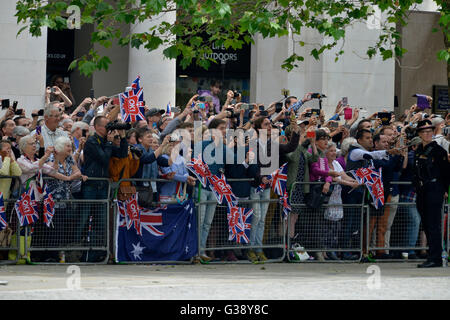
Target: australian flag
49	207
175	238
132	103
374	183
26	208
239	224
3	223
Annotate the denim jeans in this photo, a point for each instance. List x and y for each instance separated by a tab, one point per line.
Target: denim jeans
259	217
206	214
412	224
351	222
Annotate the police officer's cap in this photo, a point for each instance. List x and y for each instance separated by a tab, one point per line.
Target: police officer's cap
424	124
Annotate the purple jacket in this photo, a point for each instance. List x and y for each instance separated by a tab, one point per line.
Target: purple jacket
215	100
319	171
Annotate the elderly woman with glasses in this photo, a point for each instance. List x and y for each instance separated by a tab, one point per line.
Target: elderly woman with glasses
30	164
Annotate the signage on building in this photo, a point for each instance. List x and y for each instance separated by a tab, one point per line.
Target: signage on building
230	64
440	99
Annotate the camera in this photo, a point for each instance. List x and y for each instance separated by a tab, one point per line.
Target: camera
11	139
15	103
236	94
278	107
5	103
317	95
232	114
263	113
18	112
385	117
138	152
115	125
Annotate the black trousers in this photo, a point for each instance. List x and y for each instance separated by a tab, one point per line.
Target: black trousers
429	204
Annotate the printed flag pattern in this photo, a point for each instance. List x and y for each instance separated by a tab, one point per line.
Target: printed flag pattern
3	223
49	207
374	183
239	224
279	186
132	103
169	233
26	208
239	219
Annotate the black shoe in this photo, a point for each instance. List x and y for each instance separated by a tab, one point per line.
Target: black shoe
383	256
429	264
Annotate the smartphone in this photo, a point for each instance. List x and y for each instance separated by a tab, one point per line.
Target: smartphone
348	113
308	114
66	79
208	99
80	114
92	93
261	108
385	118
334	124
84	133
18	112
38	130
52	90
5	103
245	106
311	134
315	112
15	103
40	112
278	107
344	101
263	113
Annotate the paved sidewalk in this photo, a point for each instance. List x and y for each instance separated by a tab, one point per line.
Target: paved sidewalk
233	281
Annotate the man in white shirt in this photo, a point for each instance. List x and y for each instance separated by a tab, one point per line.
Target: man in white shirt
50	131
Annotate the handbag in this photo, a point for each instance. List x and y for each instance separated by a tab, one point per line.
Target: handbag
125	192
315	198
5	237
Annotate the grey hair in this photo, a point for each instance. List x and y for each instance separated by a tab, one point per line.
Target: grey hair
329	145
79	124
48	110
345	145
65	121
20	131
61	142
24	141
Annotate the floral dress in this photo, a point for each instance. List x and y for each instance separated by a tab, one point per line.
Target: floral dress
60	189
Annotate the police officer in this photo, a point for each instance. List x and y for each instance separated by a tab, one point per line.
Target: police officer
431	179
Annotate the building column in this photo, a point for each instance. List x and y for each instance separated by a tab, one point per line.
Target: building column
22	61
158	74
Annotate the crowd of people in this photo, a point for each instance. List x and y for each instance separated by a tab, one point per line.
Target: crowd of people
75	144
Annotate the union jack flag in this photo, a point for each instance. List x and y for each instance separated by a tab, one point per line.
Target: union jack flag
150	219
49	207
284	201
222	189
279	180
121	217
26	208
374	183
132	103
200	169
3	223
239	224
132	214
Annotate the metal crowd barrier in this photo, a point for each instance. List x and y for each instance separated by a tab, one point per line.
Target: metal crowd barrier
395	229
9	239
319	231
273	241
79	230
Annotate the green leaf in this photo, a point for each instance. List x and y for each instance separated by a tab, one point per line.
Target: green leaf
443	55
171	52
73	64
87	68
223	9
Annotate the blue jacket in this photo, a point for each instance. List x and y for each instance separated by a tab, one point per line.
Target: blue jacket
149	158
